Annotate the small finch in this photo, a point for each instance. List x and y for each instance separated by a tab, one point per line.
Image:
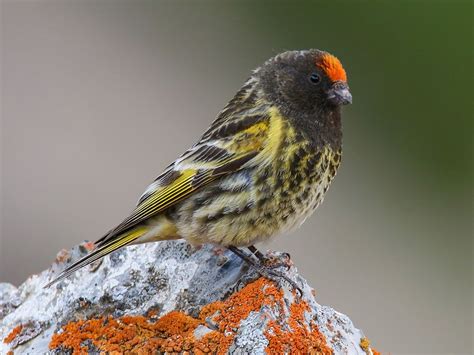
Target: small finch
260	169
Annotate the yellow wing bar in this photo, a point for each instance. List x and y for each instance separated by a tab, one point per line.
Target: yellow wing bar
185	184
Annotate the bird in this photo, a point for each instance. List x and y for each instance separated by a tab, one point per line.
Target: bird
260	169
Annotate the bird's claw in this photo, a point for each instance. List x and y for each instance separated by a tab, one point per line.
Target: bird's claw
267	267
270	273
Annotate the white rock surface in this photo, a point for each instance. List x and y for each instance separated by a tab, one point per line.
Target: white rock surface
165	276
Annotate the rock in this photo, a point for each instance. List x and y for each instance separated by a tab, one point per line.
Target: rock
170	297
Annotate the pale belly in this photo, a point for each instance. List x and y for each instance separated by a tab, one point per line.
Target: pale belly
230	212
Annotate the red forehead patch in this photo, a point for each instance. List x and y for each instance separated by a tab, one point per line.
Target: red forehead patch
332	67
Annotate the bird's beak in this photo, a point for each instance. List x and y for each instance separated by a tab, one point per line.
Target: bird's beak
339	94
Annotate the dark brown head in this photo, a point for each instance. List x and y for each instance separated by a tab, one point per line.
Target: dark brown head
305	82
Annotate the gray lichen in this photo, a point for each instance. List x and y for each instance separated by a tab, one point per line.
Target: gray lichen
162	277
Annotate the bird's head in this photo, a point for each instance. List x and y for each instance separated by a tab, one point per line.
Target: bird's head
305	81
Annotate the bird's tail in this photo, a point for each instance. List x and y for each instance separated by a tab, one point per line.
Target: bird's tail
102	250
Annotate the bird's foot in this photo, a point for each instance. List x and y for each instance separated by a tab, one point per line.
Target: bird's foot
273	262
267	267
275	275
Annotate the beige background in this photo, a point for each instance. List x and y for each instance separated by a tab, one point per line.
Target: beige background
99	96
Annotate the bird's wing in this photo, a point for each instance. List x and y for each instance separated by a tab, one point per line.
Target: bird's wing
226	147
238	135
184	181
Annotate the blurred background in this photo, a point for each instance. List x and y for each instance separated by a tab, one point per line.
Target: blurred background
99	96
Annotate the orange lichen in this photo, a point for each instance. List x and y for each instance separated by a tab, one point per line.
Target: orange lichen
174	332
213	342
210	309
89	246
298	339
176	323
62	256
332	67
128	333
365	345
227	315
13	334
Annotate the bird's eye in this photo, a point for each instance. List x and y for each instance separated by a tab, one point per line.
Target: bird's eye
315	78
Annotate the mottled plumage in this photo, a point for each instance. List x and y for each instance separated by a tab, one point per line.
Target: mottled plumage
261	168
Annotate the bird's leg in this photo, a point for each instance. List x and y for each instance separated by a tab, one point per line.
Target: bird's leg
268	261
257	253
267	272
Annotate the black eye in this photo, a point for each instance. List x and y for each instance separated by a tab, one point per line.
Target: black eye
315	78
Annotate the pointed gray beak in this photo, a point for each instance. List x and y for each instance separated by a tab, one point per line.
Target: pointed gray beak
339	94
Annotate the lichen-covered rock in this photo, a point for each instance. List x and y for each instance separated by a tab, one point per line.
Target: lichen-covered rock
169	297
